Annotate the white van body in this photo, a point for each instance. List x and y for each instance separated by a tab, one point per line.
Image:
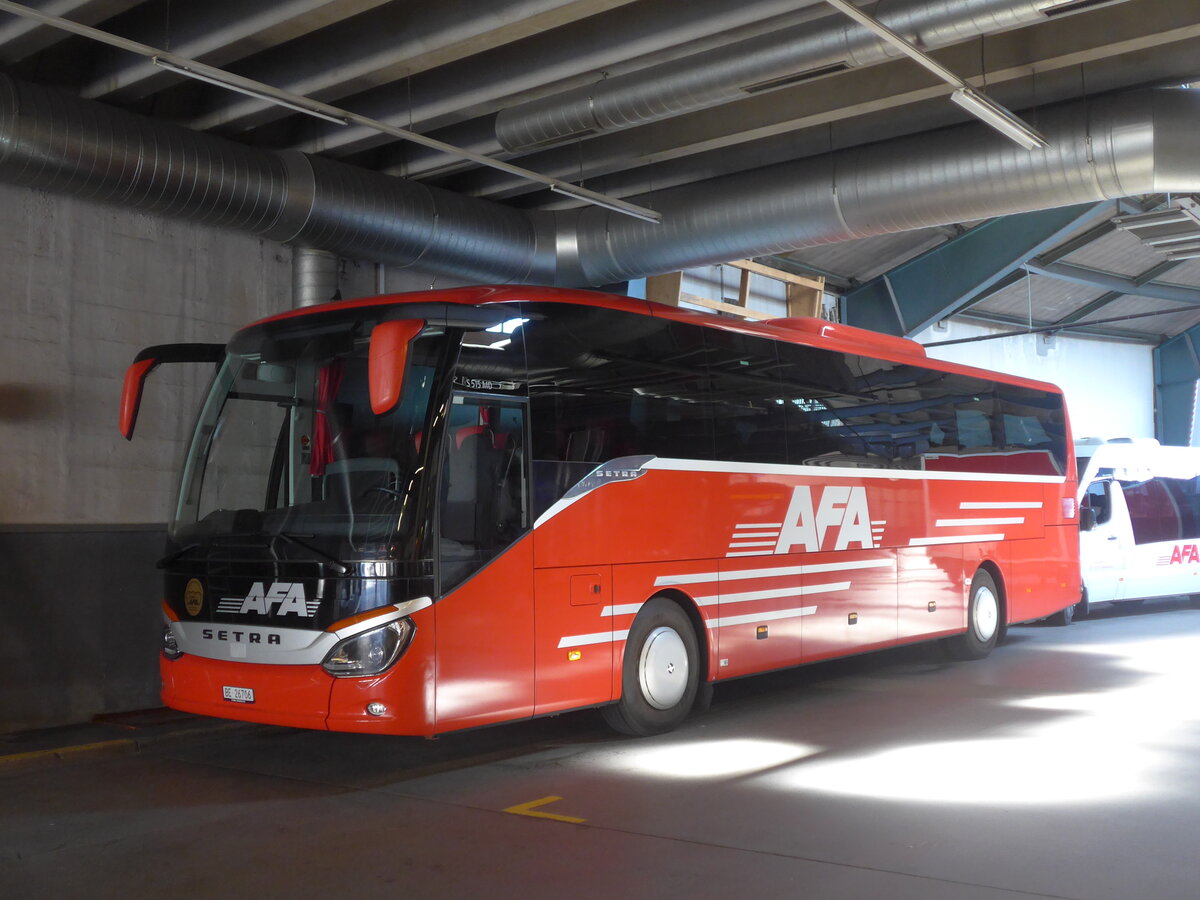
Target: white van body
1146	541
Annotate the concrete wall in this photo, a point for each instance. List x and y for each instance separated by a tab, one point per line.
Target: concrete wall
81	510
85	288
1109	385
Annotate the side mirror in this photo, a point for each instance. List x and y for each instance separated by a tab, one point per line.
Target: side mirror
1087	518
387	359
146	362
131	394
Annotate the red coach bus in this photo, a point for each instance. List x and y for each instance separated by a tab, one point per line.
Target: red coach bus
419	513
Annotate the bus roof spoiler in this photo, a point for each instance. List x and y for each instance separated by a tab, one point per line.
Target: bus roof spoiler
848	334
146	362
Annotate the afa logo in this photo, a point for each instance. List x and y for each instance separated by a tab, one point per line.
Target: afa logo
282	597
1185	554
839	519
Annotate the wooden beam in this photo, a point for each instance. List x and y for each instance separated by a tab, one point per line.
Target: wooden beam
717	305
778	274
744	289
664	288
804	301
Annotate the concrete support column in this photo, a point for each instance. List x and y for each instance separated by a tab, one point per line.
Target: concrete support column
314	277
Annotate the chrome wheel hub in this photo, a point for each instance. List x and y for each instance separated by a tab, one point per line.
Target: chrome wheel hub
985	613
663	668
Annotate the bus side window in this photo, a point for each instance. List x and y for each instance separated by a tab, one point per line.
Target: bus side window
1097	498
1153	513
483	505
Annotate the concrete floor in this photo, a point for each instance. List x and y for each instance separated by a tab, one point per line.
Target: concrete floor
1065	765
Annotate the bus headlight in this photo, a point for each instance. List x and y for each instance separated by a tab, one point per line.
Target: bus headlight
170	647
371	652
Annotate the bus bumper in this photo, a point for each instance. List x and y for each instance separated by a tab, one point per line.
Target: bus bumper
305	696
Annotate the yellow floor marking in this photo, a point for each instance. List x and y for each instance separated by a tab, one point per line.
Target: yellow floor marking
63	752
530	809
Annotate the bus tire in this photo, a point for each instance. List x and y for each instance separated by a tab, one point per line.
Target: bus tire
704	696
660	673
1063	617
984	617
1083	607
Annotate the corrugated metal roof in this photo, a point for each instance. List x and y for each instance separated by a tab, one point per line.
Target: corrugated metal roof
862	260
1186	274
1118	252
1048	299
1155	327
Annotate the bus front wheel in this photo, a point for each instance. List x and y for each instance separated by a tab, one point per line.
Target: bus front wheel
983	621
660	672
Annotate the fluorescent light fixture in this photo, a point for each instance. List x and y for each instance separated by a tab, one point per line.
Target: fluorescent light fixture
982	107
620	206
993	114
248	91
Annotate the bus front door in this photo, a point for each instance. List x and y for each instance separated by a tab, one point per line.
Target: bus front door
484	669
1103	551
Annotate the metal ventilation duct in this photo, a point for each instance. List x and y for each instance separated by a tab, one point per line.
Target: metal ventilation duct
1115	146
1137	143
765	62
51	140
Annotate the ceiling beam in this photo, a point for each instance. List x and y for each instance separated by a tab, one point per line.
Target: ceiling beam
1062	271
219	32
1110	296
944	280
203	72
1032	66
21	38
393	48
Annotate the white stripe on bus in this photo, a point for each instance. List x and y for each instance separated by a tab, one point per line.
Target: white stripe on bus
779	572
624	609
584	640
831	472
956	539
1001	504
773	594
975	523
755	618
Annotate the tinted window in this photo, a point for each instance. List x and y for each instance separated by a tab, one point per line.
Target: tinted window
1163	509
605	384
483	502
1099	499
857	411
492	361
745	398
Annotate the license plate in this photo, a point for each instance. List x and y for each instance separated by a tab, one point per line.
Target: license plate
238	694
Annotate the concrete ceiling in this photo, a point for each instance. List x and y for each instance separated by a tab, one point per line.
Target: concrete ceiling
475	72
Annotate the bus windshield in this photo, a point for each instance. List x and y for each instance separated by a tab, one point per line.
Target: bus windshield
287	444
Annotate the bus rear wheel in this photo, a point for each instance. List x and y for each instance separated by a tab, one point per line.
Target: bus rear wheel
983	621
660	673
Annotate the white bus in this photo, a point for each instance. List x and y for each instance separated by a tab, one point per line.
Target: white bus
1140	526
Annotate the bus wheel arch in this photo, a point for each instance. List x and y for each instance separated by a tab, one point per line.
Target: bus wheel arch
987	616
662	668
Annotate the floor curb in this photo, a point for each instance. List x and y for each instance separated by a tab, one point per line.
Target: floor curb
29	760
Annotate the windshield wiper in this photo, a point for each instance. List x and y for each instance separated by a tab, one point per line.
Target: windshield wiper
331	561
171	557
